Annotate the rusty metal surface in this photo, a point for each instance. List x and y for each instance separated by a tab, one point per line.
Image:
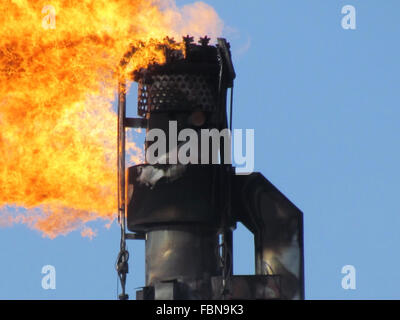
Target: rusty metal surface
184	83
249	287
135	123
171	249
166	291
121	146
165	194
177	92
182	253
182	209
277	225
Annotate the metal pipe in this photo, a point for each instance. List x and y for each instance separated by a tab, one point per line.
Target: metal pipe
121	149
184	254
123	256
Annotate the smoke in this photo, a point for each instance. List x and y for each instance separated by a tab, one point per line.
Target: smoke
191	19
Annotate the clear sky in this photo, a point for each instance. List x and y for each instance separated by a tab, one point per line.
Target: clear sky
324	103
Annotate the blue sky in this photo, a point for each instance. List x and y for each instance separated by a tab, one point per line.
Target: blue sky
324	103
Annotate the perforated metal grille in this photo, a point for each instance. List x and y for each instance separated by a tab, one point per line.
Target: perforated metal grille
177	92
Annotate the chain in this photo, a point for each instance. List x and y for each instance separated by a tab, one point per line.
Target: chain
123	256
122	269
224	255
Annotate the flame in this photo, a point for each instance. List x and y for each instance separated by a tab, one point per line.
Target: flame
59	65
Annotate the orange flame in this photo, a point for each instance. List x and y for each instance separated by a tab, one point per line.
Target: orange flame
58	76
